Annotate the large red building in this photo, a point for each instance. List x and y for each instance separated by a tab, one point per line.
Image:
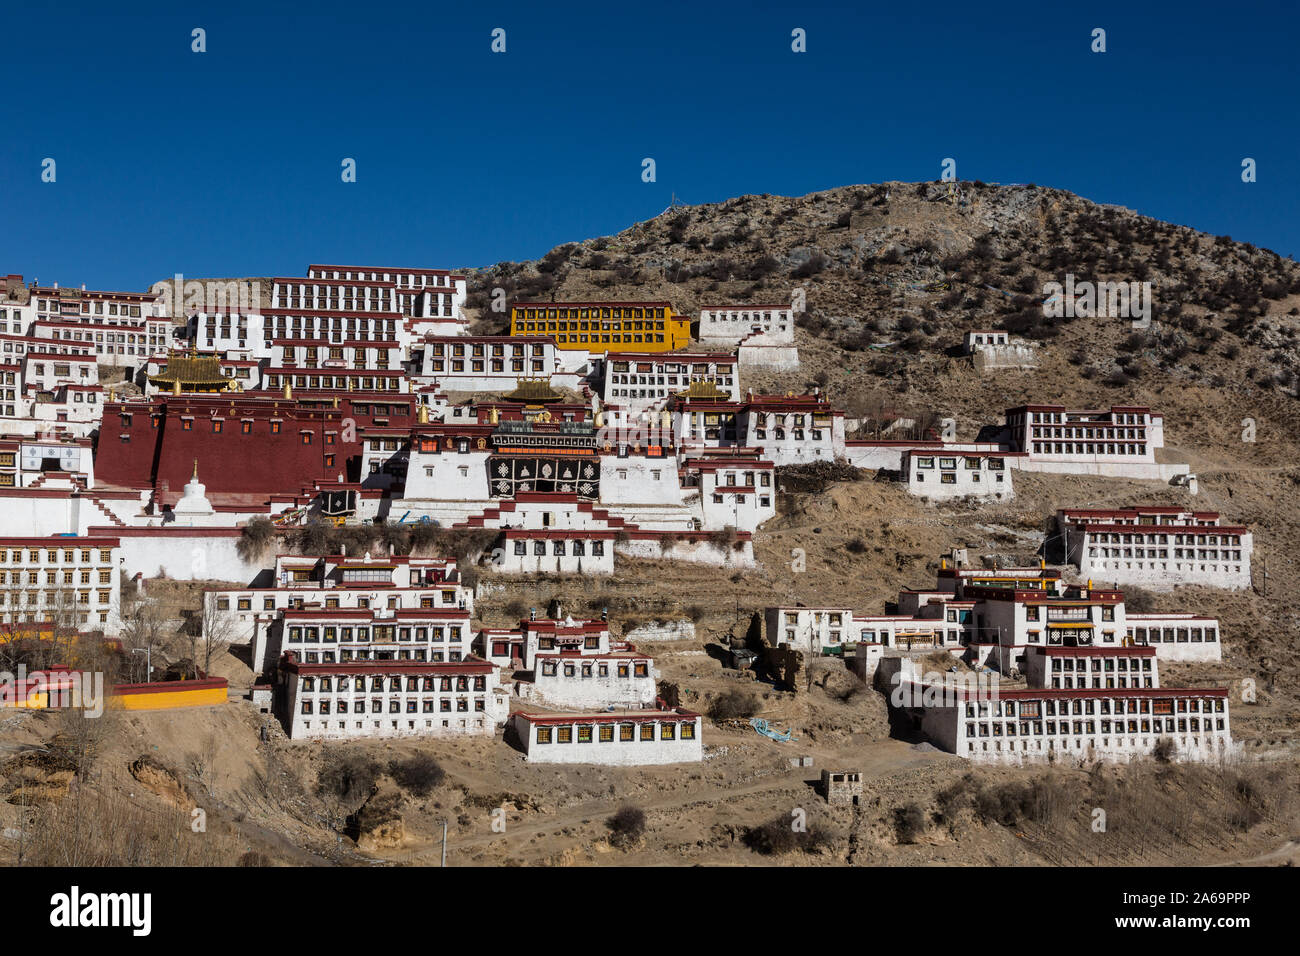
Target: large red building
244	445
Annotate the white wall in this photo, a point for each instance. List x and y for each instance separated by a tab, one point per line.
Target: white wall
185	554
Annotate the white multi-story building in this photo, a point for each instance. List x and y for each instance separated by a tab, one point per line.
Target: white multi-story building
788	430
1120	442
556	551
731	324
1082	705
485	363
434	299
627	738
810	629
121	328
1092	668
69	580
643	381
1156	546
337	583
954	473
735	491
1082	726
48	390
389	697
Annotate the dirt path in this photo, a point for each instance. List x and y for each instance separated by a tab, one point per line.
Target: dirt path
876	760
1287	853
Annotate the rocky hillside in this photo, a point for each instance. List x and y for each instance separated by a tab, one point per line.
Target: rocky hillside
895	272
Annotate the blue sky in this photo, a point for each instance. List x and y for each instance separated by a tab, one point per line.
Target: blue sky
228	162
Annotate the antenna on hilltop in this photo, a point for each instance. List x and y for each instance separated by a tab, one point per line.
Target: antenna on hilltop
674	203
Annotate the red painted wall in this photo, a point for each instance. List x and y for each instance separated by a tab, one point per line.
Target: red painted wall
230	461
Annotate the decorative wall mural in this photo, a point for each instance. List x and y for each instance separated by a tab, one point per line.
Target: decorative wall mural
508	476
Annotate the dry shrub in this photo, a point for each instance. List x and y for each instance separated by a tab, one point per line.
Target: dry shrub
778	836
626	827
733	704
909	823
418	773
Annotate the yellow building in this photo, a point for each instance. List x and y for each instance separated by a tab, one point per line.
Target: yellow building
604	326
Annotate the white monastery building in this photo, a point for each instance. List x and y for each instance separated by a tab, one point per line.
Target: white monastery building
616	738
1156	546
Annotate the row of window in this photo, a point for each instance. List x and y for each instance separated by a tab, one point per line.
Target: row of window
1051	708
950	478
52	306
559	547
1087	448
1070	665
595	668
340	706
498	365
418	280
1115	537
33	577
1081	727
418	654
1110	683
395	683
1033	612
1079	743
626	338
597	313
369	383
455	349
365	300
53	599
1172	635
1119	418
972	463
747	316
627	733
1090	434
378	633
52	555
350	576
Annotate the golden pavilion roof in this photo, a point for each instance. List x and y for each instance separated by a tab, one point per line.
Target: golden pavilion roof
534	391
190	368
705	389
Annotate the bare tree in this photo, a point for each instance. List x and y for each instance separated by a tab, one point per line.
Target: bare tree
143	630
218	632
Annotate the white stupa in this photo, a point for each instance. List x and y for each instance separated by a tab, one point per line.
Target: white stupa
194	507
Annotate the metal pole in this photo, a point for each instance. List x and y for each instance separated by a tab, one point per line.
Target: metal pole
444	842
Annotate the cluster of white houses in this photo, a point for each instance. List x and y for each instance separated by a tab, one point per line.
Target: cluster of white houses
995	617
385	647
1080	654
